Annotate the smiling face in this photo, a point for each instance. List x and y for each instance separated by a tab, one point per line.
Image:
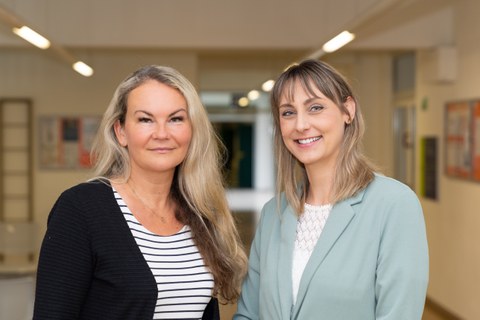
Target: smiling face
157	129
312	126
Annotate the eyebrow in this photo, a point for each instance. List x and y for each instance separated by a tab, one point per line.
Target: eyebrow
309	100
171	114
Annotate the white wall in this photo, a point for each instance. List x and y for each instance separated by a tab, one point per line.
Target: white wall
453	221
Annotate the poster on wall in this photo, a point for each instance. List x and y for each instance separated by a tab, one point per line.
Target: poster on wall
476	140
458	148
65	142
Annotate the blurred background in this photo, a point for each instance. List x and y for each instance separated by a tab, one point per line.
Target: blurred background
414	64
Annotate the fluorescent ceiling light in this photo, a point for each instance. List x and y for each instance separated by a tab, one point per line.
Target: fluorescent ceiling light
32	37
82	68
267	86
338	41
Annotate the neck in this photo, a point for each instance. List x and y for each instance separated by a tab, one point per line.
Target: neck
151	186
320	186
153	194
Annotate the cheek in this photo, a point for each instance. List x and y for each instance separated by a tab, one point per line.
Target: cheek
285	133
284	128
138	137
185	135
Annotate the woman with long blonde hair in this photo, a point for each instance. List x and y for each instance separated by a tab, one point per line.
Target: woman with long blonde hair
151	236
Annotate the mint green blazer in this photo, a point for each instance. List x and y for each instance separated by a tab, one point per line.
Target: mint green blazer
370	263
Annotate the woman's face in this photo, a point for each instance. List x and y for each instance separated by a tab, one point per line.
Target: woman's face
157	129
312	127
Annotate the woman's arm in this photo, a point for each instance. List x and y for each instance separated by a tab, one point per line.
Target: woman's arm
248	304
65	264
402	268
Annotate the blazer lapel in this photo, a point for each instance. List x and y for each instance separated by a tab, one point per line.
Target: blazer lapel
341	215
284	275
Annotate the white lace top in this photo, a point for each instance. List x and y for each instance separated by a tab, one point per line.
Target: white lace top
309	227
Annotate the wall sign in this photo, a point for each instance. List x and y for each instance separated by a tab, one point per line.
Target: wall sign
462	139
65	142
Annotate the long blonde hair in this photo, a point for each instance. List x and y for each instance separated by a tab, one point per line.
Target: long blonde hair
353	170
198	186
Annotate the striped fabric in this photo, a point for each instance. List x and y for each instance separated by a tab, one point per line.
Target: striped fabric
184	283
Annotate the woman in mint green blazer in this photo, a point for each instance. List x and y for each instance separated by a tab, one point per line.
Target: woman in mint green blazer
338	242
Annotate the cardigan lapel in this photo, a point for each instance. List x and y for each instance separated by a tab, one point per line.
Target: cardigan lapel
284	274
341	215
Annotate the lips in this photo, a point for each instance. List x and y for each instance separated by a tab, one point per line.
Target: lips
162	149
308	140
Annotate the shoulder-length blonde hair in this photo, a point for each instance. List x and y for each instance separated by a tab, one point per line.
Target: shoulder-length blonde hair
198	186
353	170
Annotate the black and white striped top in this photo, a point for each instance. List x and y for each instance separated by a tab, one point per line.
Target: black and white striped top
184	283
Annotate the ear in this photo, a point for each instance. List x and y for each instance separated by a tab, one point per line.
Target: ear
351	106
120	133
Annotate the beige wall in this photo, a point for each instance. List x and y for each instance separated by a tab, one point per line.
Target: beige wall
369	73
56	90
453	221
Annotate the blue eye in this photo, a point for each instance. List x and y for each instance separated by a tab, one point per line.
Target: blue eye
286	113
316	107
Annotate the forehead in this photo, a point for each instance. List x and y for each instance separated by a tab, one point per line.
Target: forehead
299	85
154	93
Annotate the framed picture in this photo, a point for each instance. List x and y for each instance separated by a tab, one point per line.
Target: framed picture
458	149
65	141
476	140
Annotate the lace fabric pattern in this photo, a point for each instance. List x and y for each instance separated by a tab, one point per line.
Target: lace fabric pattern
309	228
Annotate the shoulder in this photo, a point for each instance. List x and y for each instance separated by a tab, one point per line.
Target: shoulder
389	196
86	197
272	204
274	211
275	205
383	185
84	201
88	190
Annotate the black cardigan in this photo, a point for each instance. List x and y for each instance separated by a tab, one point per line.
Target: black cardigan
90	266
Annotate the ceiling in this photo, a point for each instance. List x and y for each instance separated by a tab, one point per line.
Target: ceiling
229	30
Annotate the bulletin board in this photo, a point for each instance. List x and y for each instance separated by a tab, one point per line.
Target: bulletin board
462	139
65	141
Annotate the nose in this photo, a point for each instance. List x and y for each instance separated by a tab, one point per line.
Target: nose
302	122
161	131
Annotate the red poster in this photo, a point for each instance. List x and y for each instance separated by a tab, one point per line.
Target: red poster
476	141
458	140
